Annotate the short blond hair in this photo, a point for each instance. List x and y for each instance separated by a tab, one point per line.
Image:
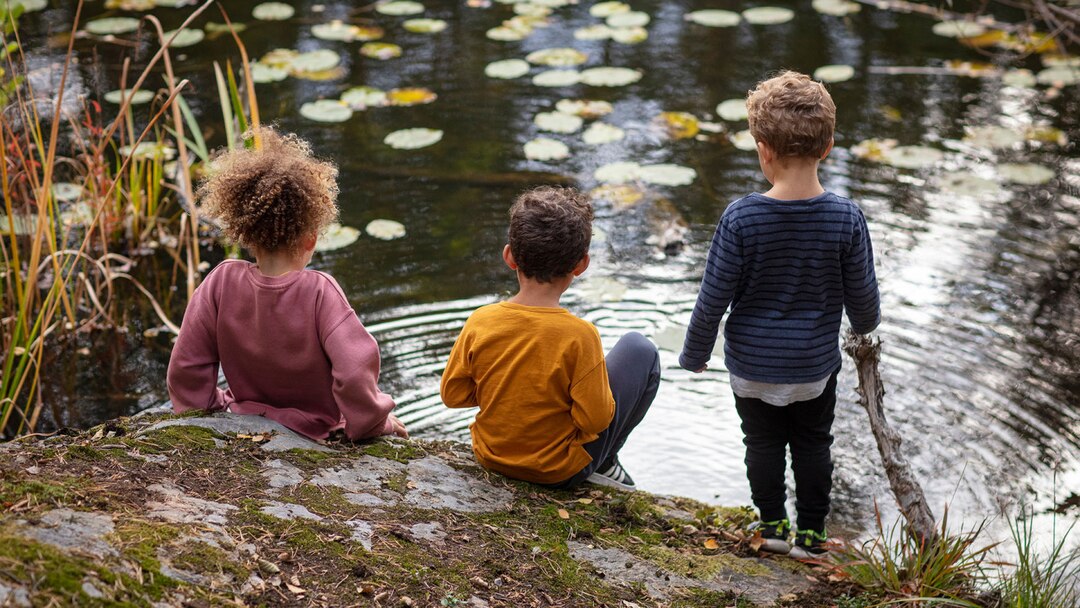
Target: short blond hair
793	114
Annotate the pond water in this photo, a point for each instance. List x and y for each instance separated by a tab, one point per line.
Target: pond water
981	304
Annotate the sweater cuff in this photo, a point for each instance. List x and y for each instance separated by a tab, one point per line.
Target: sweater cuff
688	363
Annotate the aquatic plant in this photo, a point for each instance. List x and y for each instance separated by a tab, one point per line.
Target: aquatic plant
1037	580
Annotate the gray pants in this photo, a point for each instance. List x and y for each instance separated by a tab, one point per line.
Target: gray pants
633	367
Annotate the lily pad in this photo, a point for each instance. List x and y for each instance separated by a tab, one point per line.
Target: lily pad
112	25
667	174
1020	78
557	57
912	157
149	150
1060	61
411	139
557	122
554	3
186	37
585	108
834	73
733	110
620	195
617	172
968	184
604	10
312	62
630	19
531	10
23	224
410	96
543	148
601	133
424	26
386	230
507	69
139	97
873	149
958	29
261	73
1060	76
66	192
1046	134
679	125
557	78
326	110
598	31
30	6
367	33
714	18
836	8
363	97
629	35
993	136
1028	174
400	7
744	140
610	77
336	30
336	236
79	214
214	28
273	11
506	34
768	15
380	50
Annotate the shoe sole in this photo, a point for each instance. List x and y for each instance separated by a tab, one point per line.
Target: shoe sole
802	554
600	480
775	545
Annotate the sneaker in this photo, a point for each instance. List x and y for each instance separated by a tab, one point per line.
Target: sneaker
613	476
774	535
810	544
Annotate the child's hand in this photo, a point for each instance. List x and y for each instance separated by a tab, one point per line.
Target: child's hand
703	368
399	427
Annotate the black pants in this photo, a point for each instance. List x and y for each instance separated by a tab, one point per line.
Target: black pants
633	367
767	432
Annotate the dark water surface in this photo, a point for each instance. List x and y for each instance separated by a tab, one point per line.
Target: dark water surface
980	294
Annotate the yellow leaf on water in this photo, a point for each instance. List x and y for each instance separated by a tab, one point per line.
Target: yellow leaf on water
680	125
410	96
563	513
711	544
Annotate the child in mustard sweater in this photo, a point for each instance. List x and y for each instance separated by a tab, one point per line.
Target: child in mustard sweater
553	411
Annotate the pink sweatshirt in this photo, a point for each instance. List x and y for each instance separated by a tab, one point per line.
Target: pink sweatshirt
292	350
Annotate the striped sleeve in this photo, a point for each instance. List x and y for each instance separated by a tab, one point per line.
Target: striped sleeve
723	269
861	298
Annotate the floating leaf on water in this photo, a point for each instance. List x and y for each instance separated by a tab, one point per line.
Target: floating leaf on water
261	73
411	139
1060	61
139	97
363	97
873	149
386	230
557	78
400	7
24	224
911	157
597	289
149	150
505	34
410	96
768	15
593	32
336	236
184	38
601	133
336	30
714	18
79	214
993	136
744	140
958	29
1028	174
990	38
214	28
604	10
610	77
543	148
30	6
710	127
280	58
666	175
554	3
424	26
1061	76
507	69
326	110
531	10
1020	78
733	110
968	184
367	33
836	8
834	73
679	125
585	108
557	122
314	61
66	192
617	172
1046	134
620	195
557	57
630	19
526	23
273	11
380	50
112	25
629	35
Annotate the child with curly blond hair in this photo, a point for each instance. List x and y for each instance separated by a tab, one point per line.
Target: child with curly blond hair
291	346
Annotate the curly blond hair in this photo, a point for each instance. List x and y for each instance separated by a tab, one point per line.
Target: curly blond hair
793	114
272	197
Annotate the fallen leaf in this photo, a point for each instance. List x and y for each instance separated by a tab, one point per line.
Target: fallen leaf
711	544
756	542
564	514
585	501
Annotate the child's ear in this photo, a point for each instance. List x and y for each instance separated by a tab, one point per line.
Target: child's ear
581	266
508	257
308	242
765	153
832	141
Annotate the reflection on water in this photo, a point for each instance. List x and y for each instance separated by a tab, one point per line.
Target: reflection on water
980	293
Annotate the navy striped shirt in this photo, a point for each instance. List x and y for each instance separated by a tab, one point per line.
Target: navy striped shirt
787	269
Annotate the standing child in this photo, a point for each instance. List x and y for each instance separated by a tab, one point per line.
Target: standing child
290	345
788	262
552	410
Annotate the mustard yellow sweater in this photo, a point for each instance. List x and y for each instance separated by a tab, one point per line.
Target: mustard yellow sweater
539	379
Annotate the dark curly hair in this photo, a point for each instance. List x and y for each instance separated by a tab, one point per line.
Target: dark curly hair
550	231
272	197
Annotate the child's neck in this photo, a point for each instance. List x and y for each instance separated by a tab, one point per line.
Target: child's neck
794	180
534	293
277	263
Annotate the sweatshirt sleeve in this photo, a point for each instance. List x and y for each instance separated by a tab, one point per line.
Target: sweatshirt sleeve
723	269
458	388
592	406
193	365
861	298
354	359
